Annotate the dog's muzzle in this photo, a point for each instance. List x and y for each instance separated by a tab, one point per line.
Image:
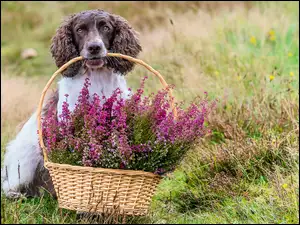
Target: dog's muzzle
95	53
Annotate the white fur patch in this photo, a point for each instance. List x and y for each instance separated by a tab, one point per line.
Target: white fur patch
103	82
21	158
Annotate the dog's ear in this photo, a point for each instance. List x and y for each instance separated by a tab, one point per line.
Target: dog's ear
125	41
64	49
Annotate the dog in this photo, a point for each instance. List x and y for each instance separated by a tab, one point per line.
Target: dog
91	34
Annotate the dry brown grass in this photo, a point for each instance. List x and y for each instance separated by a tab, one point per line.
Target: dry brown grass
19	99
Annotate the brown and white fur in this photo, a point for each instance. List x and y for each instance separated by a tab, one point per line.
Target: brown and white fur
90	34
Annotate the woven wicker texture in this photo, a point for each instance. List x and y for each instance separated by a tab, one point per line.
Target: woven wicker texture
97	190
90	189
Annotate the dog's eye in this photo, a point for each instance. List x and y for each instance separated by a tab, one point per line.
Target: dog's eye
79	30
106	28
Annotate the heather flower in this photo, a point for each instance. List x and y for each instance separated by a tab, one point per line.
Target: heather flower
138	133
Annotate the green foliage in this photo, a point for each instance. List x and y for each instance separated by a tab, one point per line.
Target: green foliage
66	157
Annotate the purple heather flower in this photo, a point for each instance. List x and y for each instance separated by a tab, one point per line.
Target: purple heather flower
119	133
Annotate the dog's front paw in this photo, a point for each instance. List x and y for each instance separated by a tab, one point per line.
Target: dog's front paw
13	194
9	192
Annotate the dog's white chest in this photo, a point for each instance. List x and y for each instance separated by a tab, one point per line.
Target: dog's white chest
102	83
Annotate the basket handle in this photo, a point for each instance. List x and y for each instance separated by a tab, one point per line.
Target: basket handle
66	65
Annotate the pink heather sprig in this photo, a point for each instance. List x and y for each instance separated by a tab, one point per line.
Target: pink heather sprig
133	104
64	123
50	129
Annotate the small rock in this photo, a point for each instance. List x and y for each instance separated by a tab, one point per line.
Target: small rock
29	53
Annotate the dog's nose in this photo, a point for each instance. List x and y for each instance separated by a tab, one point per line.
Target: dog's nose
94	48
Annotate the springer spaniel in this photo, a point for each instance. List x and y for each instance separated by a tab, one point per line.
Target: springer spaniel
90	34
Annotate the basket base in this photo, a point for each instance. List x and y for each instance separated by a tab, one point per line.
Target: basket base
102	190
106	210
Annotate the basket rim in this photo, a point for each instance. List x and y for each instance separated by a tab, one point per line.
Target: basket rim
103	170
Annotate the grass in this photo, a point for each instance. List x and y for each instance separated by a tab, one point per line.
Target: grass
247	170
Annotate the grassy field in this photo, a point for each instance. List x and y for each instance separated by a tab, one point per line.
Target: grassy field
244	54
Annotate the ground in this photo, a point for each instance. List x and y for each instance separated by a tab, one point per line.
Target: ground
246	55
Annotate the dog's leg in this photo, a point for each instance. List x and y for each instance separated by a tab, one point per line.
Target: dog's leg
21	160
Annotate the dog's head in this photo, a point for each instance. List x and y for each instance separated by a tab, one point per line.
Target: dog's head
92	34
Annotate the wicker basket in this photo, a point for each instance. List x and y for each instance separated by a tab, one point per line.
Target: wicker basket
91	189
